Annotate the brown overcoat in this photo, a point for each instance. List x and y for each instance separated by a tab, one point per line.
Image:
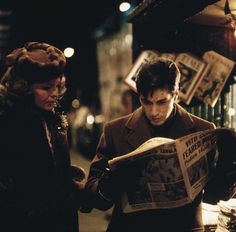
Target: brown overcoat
125	134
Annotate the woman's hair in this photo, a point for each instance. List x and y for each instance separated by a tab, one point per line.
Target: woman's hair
35	62
158	74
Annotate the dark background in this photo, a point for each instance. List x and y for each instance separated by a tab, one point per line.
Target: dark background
62	23
73	23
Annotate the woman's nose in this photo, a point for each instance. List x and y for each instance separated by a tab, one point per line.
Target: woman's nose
54	92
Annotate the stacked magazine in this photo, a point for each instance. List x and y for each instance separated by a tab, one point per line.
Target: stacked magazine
227	216
210	216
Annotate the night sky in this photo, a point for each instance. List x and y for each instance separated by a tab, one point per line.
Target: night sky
64	23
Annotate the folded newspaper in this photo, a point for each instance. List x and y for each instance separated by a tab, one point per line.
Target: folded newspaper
171	172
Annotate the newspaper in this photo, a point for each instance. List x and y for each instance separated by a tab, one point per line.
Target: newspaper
171	172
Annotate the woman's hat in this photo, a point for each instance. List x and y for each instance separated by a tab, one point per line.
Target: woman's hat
36	62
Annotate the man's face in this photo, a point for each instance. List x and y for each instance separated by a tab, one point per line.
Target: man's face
158	106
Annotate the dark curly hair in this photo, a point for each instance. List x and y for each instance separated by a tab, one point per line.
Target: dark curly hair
158	74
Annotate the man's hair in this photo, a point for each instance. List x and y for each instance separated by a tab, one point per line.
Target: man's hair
159	74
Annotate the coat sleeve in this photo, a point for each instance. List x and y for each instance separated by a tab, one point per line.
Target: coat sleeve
6	165
222	184
104	152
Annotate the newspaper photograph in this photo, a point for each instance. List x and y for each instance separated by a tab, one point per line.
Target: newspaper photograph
171	173
194	149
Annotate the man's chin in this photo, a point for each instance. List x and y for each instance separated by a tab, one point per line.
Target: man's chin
157	123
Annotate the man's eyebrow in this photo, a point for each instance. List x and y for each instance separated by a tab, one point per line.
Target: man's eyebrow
163	99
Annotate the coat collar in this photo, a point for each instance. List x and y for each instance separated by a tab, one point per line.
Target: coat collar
138	131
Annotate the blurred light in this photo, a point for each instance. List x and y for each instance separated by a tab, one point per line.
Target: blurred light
124	6
90	119
231	111
69	52
112	51
4	13
75	103
99	118
128	38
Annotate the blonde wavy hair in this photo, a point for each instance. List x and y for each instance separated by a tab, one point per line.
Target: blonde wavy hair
33	63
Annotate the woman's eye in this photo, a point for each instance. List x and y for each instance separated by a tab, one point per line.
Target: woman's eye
46	87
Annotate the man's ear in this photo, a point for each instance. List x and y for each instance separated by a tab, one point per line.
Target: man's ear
176	97
139	98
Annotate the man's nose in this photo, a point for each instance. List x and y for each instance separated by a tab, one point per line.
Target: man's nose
155	109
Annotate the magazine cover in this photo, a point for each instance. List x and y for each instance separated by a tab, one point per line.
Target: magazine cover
144	57
213	82
192	71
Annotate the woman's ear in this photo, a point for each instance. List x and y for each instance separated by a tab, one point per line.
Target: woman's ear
30	91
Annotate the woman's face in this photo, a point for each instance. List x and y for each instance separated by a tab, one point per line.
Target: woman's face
46	93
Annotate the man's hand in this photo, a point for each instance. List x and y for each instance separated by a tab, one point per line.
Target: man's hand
113	182
78	176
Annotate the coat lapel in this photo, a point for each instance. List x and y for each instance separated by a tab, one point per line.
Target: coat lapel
183	125
138	131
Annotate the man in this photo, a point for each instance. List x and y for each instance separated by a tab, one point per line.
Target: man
159	115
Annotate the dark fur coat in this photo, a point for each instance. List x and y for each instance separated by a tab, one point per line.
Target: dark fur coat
36	189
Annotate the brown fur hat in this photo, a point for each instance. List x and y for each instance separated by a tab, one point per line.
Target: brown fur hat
36	62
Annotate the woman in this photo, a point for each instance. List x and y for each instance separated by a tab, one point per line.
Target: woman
37	191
